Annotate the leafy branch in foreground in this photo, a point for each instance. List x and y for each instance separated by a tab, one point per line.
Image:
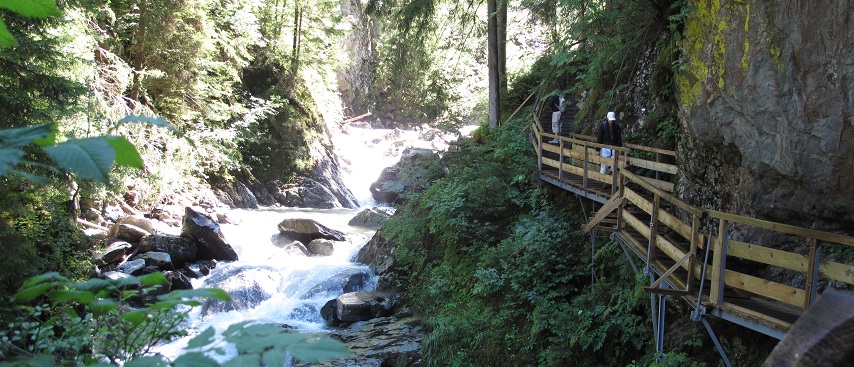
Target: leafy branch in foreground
101	323
90	158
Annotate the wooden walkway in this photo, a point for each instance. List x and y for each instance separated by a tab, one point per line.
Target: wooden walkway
699	255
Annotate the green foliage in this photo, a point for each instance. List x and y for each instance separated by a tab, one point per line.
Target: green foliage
87	322
90	158
503	273
37	234
27	8
600	50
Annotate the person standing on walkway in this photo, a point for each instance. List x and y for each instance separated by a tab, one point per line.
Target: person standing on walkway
556	108
609	134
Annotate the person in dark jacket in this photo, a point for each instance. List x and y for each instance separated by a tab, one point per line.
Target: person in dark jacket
609	134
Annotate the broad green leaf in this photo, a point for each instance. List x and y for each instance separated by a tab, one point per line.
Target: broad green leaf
9	158
156	278
32	8
199	360
322	350
135	317
30	293
52	276
148	361
126	153
63	295
90	158
95	286
156	121
103	306
190	294
274	357
244	360
203	339
37	361
6	38
18	137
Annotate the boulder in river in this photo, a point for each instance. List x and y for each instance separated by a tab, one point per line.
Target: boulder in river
320	246
384	341
361	306
370	218
133	267
113	253
247	287
161	260
128	232
181	250
207	234
413	173
307	230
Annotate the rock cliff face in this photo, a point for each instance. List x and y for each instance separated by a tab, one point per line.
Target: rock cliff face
354	79
766	99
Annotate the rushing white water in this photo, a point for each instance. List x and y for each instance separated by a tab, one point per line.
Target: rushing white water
272	286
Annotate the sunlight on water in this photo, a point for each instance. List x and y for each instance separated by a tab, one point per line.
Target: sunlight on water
272	286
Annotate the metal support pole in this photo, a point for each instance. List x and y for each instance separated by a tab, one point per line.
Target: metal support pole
700	310
716	341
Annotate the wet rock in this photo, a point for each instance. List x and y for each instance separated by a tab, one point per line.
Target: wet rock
115	275
188	272
133	267
378	253
206	266
307	230
247	287
180	249
296	248
207	234
114	253
138	221
320	246
328	313
350	280
370	218
128	232
415	170
361	306
380	342
161	260
178	280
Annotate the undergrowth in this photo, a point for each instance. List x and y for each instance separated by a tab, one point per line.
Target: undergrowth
503	272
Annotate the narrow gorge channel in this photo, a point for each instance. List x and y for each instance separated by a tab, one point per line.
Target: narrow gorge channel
270	284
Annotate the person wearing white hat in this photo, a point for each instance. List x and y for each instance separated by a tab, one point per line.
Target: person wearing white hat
609	134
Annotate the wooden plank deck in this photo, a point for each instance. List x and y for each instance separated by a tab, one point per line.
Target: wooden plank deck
650	218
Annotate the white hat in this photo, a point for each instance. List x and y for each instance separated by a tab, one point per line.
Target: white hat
612	116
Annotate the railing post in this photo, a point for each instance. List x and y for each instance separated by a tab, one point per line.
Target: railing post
621	193
716	295
560	162
692	261
657	160
616	169
812	274
586	165
653	232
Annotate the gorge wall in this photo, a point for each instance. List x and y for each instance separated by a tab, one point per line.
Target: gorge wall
766	103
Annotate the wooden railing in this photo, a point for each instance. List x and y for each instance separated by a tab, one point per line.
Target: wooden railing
578	155
668	233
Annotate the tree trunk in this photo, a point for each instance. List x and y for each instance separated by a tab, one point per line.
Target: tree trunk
502	47
492	62
297	39
138	57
